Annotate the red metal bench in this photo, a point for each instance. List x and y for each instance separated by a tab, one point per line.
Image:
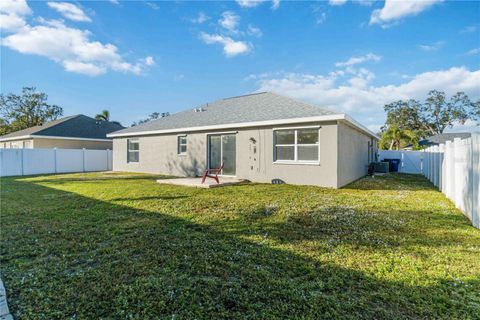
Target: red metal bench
213	173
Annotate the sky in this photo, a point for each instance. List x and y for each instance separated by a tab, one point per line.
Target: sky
138	57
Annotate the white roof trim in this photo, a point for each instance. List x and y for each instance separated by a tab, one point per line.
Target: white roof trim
33	136
340	116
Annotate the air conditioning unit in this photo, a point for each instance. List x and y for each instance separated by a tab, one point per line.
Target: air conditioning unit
381	167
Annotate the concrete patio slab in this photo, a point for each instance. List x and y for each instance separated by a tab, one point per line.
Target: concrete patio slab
197	182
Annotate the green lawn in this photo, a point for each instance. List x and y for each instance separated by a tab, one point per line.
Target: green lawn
121	246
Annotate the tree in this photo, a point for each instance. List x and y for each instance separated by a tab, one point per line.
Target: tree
434	115
395	138
29	109
105	116
152	116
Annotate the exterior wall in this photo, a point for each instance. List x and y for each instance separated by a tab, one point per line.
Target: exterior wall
158	154
57	143
353	154
72	144
17	144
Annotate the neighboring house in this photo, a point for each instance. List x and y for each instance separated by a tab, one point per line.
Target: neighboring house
74	132
260	137
439	139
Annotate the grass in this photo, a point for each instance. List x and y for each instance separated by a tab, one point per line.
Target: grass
121	246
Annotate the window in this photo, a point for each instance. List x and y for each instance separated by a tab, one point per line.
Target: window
26	144
296	145
132	150
182	145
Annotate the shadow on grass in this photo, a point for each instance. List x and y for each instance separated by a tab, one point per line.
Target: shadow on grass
158	197
392	181
87	259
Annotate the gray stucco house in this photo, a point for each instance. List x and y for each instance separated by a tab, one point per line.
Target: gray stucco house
260	137
73	132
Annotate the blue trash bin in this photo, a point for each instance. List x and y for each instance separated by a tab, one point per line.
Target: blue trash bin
394	165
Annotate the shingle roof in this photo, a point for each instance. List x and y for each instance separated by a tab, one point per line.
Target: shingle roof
443	137
255	107
78	126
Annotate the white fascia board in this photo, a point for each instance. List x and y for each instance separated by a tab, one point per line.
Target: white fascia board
69	138
360	127
332	117
15	138
32	136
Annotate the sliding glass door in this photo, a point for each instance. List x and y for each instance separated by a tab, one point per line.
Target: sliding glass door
222	147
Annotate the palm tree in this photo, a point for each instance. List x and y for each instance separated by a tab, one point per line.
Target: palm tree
104	116
394	137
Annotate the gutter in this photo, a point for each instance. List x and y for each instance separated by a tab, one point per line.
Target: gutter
33	136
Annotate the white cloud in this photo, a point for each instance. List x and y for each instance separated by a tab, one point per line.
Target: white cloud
70	47
319	15
11	22
230	47
394	10
12	15
275	4
88	69
149	61
336	2
69	11
249	3
254	31
18	7
201	18
358	97
360	59
432	47
469	29
114	1
473	52
229	21
153	5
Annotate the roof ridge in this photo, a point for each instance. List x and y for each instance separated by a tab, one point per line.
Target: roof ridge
246	95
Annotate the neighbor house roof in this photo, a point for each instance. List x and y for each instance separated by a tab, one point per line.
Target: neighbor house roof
442	138
250	110
78	127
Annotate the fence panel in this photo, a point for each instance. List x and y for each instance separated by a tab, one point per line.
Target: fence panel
69	160
38	161
17	162
454	167
11	163
410	161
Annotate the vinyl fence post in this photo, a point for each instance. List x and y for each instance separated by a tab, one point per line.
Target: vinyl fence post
448	169
457	162
21	161
475	179
83	159
108	159
441	176
55	159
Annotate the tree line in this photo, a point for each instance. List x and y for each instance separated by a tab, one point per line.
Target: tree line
409	121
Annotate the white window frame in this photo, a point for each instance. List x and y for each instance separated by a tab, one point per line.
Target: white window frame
179	145
295	146
133	151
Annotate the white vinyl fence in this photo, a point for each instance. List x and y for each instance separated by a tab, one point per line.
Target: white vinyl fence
410	161
19	162
454	168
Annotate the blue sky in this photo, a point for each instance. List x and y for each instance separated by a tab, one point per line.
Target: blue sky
134	58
